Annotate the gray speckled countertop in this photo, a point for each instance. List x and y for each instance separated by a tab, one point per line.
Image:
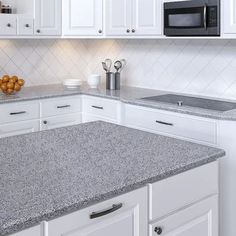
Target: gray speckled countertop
47	174
129	95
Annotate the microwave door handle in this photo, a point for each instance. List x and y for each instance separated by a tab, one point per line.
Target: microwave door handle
205	16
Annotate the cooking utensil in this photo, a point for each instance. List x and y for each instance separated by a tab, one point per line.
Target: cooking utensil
104	66
108	63
118	65
123	62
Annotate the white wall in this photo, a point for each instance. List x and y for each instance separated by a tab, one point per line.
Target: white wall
206	67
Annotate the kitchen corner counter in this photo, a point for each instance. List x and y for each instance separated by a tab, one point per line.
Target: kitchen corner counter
47	174
128	95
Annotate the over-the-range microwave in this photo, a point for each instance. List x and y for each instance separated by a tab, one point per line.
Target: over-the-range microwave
192	18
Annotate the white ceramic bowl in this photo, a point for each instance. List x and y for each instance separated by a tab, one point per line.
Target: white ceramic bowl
94	81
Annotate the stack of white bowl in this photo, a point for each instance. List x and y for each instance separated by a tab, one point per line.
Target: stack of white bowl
72	83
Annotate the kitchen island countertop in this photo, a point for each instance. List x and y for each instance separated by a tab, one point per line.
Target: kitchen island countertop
47	174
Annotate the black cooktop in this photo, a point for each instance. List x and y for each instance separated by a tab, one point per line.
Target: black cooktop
203	103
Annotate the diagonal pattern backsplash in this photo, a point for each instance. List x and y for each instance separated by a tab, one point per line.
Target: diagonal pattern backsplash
205	67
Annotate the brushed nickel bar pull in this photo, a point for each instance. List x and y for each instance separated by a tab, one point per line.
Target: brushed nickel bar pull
97	107
164	123
17	113
98	214
65	106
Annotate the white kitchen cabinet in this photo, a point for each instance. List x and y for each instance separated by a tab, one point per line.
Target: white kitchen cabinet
229	16
60	121
18	128
147	17
82	17
168	123
48	17
133	17
34	231
95	108
124	215
8	25
200	219
25	26
118	17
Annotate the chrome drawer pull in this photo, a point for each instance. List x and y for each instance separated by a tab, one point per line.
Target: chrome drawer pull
164	123
97	107
17	113
60	107
114	207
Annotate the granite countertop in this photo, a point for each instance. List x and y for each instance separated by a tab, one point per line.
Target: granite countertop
129	95
47	174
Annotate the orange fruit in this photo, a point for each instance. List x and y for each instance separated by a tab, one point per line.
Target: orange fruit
10	85
4	87
5	78
21	82
14	78
17	87
10	91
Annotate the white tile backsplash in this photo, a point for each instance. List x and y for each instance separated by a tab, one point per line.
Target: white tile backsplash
205	67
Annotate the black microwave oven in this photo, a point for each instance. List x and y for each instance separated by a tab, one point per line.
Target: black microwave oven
192	18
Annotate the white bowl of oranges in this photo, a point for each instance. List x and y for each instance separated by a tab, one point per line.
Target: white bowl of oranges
10	85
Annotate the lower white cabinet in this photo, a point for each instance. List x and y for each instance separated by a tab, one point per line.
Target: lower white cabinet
125	215
200	219
18	128
167	123
60	121
34	231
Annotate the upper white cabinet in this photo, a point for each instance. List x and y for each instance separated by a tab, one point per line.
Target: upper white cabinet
133	17
118	17
229	16
48	17
83	17
147	17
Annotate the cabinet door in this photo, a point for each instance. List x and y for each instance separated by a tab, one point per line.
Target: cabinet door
229	16
147	17
18	128
60	121
200	219
8	24
82	17
48	17
125	215
118	17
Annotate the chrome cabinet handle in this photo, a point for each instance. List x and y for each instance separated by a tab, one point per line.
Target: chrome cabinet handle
205	16
100	31
164	123
98	214
45	122
127	30
65	106
133	30
97	107
17	113
8	25
27	25
38	31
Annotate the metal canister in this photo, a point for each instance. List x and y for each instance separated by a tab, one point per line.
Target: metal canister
110	81
117	78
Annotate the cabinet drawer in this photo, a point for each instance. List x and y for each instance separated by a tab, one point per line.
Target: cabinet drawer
101	107
18	128
200	219
18	112
122	215
34	231
8	25
181	190
60	121
26	26
59	106
184	126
